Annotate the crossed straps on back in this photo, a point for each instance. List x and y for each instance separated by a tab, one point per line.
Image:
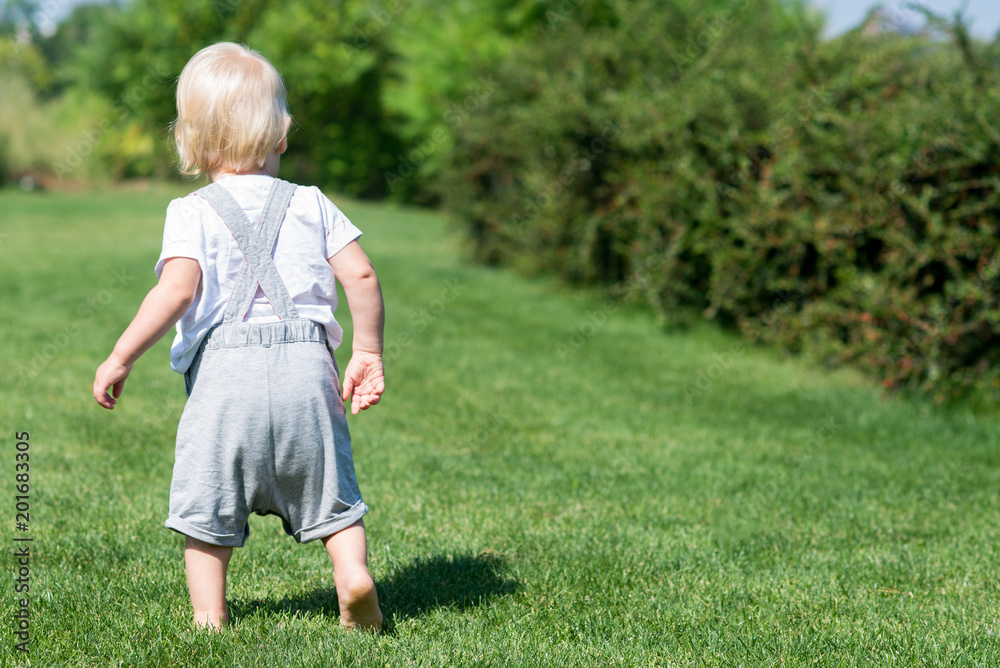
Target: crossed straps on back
256	244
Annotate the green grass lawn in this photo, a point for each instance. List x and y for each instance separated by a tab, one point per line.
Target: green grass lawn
553	481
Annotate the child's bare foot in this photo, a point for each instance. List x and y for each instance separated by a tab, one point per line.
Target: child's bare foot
206	567
358	601
348	549
212	623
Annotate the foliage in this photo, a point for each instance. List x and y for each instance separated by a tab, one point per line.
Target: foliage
429	90
342	135
86	25
48	140
374	87
837	197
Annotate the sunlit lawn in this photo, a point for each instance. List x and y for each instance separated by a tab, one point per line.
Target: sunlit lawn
546	488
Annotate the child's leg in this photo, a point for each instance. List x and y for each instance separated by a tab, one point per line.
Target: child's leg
355	588
206	566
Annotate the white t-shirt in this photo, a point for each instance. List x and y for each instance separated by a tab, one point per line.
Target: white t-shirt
314	229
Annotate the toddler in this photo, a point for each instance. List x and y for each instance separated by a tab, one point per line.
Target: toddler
247	273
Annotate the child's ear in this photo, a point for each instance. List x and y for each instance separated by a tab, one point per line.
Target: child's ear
283	146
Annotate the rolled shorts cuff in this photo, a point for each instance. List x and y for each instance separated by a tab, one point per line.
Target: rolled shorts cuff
332	525
184	527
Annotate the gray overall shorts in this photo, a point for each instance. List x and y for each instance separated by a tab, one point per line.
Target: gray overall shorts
264	429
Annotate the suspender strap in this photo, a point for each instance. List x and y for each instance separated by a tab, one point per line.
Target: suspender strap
256	246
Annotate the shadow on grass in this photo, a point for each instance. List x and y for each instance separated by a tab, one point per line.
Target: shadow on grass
458	582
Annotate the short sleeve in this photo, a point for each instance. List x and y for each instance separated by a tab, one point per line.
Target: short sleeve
182	235
339	230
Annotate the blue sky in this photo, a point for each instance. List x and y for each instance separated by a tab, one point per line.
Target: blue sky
841	14
844	14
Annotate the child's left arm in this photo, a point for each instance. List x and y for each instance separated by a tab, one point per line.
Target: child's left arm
160	311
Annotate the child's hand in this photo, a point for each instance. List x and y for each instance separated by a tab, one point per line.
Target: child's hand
110	374
365	379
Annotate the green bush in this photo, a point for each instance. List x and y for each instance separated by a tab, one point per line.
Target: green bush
719	158
882	220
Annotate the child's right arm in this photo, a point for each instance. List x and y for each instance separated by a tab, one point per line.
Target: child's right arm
364	379
160	311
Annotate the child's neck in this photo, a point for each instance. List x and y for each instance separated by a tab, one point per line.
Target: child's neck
270	168
218	176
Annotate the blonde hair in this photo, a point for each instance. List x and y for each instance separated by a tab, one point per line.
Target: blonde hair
231	110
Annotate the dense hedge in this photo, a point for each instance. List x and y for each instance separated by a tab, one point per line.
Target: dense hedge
837	197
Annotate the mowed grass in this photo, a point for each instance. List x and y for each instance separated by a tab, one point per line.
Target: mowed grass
553	481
